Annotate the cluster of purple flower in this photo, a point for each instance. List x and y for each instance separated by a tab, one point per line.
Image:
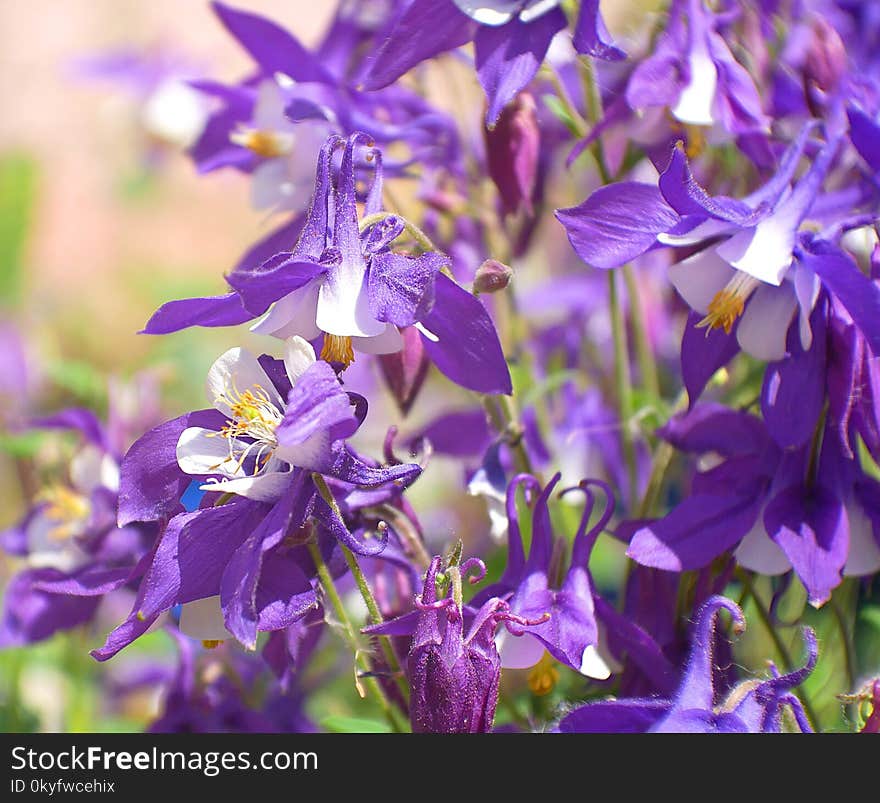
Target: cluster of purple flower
732	157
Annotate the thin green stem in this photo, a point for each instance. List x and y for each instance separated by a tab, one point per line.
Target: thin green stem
623	384
745	578
644	354
849	657
505	421
351	636
365	591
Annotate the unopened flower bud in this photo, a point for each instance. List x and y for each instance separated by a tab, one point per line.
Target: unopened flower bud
492	276
512	150
826	59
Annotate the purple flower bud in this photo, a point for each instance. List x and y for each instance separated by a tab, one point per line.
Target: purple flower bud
454	678
825	61
405	370
512	149
492	276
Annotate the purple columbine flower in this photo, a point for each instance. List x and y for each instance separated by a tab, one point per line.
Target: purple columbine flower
511	39
570	633
778	509
755	267
274	424
453	677
751	707
75	553
350	288
693	73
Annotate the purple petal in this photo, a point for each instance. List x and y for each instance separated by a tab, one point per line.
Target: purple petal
80	420
695	532
151	482
591	37
226	310
811	527
402	288
703	352
711	427
794	388
865	136
614	716
273	48
281	239
508	57
617	223
858	294
466	349
279	275
425	29
92	581
405	370
463	433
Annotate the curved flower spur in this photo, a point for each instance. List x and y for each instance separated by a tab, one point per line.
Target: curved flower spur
342	285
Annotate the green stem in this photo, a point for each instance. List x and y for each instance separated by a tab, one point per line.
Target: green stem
623	384
365	591
647	364
505	422
351	636
745	578
848	650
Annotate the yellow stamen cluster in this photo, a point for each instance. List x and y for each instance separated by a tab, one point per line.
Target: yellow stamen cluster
543	676
728	303
255	416
266	144
337	348
211	644
67	508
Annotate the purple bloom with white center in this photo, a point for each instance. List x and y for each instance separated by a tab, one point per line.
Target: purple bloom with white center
233	566
348	286
75	553
755	267
694	74
776	508
754	706
511	39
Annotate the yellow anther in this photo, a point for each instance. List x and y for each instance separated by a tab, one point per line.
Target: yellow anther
337	348
728	303
543	676
211	643
267	144
66	508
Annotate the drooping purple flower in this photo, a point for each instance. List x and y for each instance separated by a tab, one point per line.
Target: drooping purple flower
754	268
351	288
693	72
73	550
511	39
751	707
776	508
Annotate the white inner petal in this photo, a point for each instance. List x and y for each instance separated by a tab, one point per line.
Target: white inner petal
864	553
700	277
308	454
298	356
764	251
294	314
759	553
266	487
203	620
764	325
697	98
593	665
237	370
518	652
206	451
343	302
389	342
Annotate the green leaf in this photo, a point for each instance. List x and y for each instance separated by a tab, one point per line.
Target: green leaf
21	445
18	178
342	724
